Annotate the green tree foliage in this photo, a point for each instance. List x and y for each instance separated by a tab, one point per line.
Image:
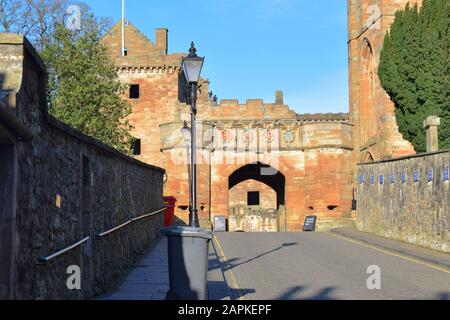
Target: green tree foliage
414	69
84	89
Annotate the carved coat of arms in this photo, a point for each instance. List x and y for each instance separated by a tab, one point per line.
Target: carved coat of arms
289	136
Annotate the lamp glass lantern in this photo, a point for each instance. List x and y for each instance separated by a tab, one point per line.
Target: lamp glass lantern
192	65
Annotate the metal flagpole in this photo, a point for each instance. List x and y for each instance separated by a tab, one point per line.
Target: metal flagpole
123	28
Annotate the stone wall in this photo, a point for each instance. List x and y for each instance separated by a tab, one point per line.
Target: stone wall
407	199
316	164
62	187
238	195
254	219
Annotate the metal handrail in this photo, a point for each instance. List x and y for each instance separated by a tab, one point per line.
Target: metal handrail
43	260
147	215
103	234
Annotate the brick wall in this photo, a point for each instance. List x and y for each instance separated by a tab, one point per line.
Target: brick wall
407	199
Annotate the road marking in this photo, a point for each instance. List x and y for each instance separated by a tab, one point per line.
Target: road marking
234	282
389	252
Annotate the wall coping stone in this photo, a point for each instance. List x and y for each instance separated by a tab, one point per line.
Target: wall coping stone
323	117
420	155
18	39
94	142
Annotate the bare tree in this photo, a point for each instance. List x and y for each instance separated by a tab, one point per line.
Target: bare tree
13	16
44	14
37	18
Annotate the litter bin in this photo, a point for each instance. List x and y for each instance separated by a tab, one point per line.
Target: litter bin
169	202
188	250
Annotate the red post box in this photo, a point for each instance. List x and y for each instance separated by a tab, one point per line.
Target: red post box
169	214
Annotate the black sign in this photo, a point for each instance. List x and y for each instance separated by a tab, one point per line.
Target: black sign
310	223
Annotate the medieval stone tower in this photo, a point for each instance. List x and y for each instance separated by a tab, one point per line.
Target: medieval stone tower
375	134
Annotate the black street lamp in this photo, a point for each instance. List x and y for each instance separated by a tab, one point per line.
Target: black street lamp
192	68
186	132
188	247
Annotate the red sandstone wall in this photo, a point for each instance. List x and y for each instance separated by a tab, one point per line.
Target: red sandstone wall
238	194
159	95
372	111
252	109
157	74
328	183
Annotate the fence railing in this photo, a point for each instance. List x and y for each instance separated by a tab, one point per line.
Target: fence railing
44	260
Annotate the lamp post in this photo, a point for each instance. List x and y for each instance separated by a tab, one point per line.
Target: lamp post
186	132
188	247
192	68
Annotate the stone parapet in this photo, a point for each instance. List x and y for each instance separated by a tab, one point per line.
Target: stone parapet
407	199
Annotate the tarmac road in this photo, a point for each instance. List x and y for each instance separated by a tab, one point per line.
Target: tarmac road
322	266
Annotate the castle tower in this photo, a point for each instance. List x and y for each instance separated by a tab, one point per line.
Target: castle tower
156	92
375	132
153	77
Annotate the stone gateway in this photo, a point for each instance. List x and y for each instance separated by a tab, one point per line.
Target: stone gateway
262	165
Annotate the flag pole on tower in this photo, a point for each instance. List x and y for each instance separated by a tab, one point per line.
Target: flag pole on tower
123	28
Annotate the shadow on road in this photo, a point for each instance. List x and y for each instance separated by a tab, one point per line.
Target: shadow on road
216	291
237	294
218	288
231	262
445	296
323	294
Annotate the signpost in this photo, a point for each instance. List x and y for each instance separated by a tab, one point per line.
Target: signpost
310	223
220	224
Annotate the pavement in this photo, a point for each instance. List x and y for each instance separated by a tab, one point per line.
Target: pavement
300	266
415	252
149	278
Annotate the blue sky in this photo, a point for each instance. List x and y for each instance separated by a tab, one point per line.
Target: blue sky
254	47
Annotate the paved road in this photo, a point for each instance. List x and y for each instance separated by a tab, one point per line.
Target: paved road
321	266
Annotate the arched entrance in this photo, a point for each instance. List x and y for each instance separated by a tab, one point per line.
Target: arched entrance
256	196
